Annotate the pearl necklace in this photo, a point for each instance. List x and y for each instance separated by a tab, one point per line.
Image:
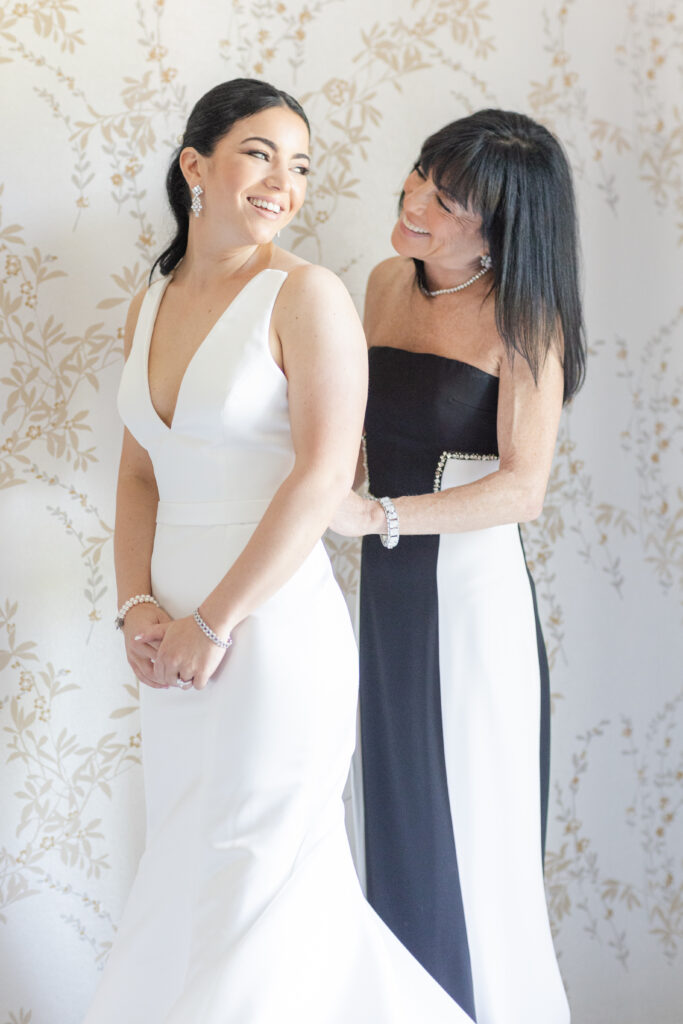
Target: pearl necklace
459	287
485	267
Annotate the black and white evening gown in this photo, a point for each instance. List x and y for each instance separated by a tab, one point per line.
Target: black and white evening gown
246	908
454	708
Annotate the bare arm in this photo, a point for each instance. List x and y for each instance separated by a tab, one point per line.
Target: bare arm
136	503
324	360
528	419
326	368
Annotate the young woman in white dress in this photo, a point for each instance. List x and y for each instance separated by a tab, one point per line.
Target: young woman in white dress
243	396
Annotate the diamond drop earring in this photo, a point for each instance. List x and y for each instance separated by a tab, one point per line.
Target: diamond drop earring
196	205
486	262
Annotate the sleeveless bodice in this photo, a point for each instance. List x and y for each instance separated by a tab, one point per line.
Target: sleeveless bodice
230	435
421	409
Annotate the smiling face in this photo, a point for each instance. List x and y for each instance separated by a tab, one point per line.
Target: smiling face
254	182
433	228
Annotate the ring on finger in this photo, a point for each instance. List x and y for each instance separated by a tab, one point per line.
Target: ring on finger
184	684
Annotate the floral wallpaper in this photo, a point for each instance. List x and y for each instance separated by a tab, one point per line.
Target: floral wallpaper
94	98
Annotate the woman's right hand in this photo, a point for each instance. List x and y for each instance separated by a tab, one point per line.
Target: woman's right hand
139	619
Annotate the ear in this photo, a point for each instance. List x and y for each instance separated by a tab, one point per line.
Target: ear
190	164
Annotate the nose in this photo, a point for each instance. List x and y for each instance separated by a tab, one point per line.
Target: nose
277	177
415	193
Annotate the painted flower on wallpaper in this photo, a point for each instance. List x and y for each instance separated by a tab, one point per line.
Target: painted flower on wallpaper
336	91
53	367
48	21
614	909
56	834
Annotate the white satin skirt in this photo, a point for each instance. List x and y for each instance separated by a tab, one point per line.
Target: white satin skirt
246	908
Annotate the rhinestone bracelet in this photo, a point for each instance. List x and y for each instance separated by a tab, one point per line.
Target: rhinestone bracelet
390	538
125	608
213	637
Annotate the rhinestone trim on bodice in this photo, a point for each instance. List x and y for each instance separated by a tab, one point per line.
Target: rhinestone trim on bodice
465	456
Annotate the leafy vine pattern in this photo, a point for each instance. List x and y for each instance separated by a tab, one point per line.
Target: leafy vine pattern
56	366
50	369
344	111
575	878
62	776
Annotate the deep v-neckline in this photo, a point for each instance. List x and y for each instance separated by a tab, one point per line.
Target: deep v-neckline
148	345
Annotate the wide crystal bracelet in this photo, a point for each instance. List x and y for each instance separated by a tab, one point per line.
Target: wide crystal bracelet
207	631
390	538
130	603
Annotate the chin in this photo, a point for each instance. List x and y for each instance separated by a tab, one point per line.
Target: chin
401	244
263	237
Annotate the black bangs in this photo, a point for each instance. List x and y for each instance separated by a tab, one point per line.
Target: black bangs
514	174
460	169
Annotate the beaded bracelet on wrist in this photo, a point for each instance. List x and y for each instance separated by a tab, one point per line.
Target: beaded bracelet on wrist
207	631
130	603
390	538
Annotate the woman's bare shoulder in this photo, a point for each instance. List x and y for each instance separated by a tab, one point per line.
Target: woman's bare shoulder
305	278
287	261
395	270
309	291
388	282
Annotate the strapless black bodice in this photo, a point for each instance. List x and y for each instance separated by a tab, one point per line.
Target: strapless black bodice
420	405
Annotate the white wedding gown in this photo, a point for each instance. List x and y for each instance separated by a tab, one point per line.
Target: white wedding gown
246	908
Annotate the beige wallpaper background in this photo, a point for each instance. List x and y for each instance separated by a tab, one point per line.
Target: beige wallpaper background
93	97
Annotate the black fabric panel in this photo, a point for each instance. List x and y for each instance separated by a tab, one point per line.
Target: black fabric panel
419	406
412	869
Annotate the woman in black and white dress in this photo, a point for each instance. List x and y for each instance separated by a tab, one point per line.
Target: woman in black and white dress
476	339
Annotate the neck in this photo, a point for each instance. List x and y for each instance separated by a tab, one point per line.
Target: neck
203	265
440	276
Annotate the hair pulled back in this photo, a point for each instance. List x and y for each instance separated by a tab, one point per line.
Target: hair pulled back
514	173
211	118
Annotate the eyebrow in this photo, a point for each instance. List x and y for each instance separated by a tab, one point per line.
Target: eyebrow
267	142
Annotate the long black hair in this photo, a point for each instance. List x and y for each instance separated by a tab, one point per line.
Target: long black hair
211	118
514	173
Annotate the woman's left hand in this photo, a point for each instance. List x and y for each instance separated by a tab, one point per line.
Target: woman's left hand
183	653
357	516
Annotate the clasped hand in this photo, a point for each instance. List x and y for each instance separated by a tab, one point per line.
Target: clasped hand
164	651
